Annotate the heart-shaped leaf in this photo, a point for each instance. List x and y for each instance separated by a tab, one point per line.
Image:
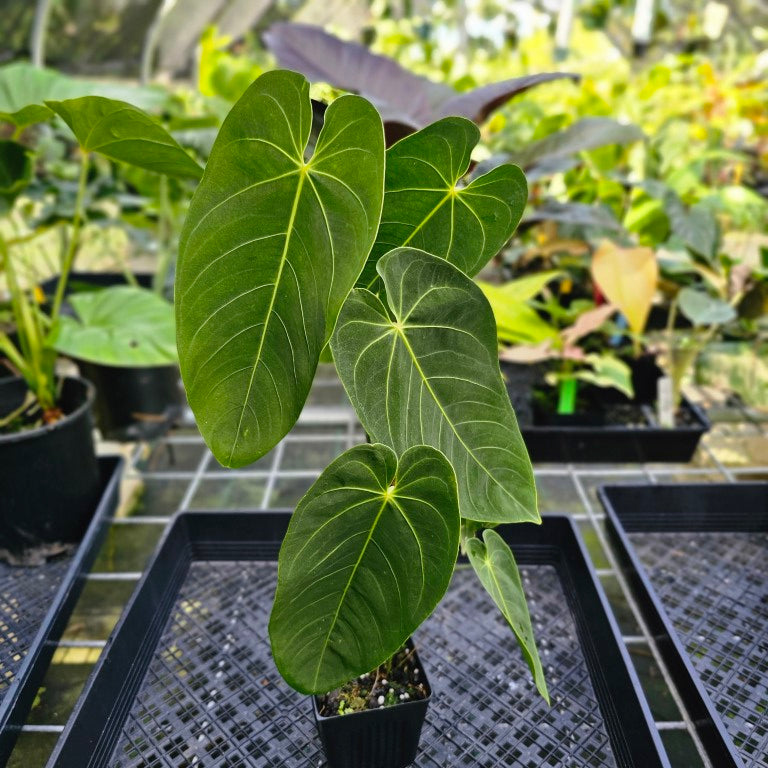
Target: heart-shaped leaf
628	277
269	251
15	172
425	208
369	553
120	326
496	568
123	132
438	362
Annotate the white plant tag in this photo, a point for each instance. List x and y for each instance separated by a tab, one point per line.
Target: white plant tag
665	402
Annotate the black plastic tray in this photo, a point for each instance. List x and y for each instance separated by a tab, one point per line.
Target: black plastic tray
35	604
617	444
697	556
188	679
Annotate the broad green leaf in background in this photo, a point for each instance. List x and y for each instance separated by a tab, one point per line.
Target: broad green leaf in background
270	249
24	88
438	363
516	322
122	132
369	553
628	277
120	326
425	208
496	568
529	286
15	172
702	309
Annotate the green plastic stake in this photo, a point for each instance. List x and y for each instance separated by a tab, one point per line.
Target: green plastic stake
567	402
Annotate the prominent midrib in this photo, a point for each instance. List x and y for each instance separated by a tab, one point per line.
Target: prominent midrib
283	259
445	415
346	589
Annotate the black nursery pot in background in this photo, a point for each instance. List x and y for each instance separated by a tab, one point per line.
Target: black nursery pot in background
135	403
589	435
49	477
374	738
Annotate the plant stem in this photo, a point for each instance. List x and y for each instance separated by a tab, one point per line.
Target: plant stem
74	241
566	403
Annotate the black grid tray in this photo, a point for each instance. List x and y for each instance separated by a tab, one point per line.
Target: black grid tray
187	677
35	604
697	556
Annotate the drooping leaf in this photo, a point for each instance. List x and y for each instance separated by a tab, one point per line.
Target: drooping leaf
516	322
369	553
628	277
575	214
585	134
15	172
122	132
699	230
529	286
424	206
438	363
120	326
702	309
608	371
270	248
496	568
407	102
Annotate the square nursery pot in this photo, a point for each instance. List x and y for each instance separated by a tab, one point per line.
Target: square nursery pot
188	677
375	738
696	555
589	437
37	601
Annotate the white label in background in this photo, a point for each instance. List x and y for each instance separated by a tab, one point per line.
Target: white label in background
665	402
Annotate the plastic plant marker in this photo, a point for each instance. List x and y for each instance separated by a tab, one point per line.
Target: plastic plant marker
566	402
369	552
123	132
425	208
282	241
437	353
495	566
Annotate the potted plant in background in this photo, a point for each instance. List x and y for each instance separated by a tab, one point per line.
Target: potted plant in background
122	336
273	246
47	445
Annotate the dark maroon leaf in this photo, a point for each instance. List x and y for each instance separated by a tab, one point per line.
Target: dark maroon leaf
480	102
407	102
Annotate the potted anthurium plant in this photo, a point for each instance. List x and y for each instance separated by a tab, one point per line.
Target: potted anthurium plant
50	477
284	251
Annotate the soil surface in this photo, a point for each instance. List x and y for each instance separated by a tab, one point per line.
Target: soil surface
395	682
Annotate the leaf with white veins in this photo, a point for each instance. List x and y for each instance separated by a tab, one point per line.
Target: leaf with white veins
438	363
369	553
496	568
270	249
426	207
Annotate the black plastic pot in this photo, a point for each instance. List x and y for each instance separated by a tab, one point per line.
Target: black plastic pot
85	281
589	437
374	738
135	403
49	478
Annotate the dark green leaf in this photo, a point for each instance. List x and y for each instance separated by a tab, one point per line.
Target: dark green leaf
495	566
120	326
269	251
122	132
369	553
425	208
15	172
438	365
